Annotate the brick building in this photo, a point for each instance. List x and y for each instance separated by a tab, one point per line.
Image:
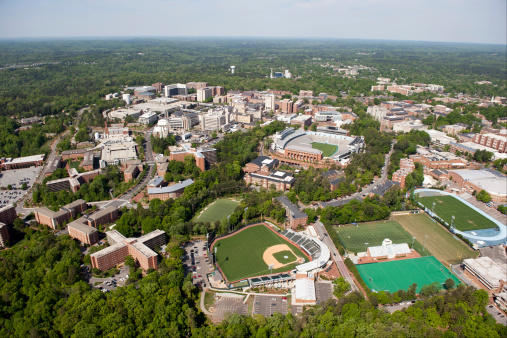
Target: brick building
406	167
4	235
203	157
103	216
54	219
294	215
261	163
286	106
335	178
22	162
82	232
172	191
8	214
141	249
280	179
498	142
303	154
131	173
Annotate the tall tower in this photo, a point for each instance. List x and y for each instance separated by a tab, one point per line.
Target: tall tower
271	76
232	69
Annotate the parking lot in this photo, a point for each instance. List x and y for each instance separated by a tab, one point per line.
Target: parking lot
228	303
197	262
323	291
16	178
497	314
268	305
109	283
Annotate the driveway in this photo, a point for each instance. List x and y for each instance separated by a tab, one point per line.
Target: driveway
92	280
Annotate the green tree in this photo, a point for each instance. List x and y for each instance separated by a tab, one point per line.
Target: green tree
484	196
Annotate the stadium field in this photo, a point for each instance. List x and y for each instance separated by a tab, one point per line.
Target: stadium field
353	238
400	275
440	242
327	149
466	218
242	255
218	210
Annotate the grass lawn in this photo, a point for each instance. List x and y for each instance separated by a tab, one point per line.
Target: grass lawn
327	149
75	164
240	256
354	238
466	218
218	210
400	275
280	256
440	242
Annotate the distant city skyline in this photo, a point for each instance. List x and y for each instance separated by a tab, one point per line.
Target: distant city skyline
469	21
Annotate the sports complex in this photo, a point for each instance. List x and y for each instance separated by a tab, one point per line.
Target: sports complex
259	250
218	210
469	221
308	146
400	275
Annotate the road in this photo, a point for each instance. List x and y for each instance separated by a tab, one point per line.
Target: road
335	255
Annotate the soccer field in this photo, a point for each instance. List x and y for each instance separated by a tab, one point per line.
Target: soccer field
327	149
354	238
241	255
218	210
466	218
400	275
440	242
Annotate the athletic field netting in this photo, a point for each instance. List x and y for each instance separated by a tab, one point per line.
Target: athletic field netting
400	275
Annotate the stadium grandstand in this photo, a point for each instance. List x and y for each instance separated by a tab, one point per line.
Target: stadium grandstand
304	146
314	247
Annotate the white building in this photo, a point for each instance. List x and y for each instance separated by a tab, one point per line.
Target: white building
126	98
407	126
377	112
324	116
162	128
388	250
204	93
489	272
175	89
269	102
148	118
439	138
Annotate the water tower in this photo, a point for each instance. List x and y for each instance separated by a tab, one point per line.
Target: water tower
232	69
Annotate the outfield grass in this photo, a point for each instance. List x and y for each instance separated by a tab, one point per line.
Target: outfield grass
240	256
440	242
400	275
466	218
218	210
280	256
327	149
354	238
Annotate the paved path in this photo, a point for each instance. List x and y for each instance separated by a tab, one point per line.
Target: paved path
203	308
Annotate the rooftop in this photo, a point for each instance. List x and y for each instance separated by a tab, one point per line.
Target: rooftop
78	225
172	188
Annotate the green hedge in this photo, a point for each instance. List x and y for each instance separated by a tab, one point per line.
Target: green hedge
335	239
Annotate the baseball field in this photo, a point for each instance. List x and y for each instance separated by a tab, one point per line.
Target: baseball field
440	242
218	210
250	253
327	149
466	218
400	275
353	238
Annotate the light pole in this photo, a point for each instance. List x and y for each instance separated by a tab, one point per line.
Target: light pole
412	248
425	236
228	217
245	214
365	246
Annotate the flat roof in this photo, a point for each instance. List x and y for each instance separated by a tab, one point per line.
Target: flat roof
33	158
50	213
488	269
171	188
74	204
101	213
78	225
305	289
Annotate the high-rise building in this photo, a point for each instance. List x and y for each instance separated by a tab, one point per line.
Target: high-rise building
269	102
8	214
175	89
287	106
204	93
4	235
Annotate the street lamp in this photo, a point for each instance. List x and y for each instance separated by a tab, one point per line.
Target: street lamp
425	236
412	248
228	217
245	214
365	245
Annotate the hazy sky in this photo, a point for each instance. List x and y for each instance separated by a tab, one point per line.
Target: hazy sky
482	21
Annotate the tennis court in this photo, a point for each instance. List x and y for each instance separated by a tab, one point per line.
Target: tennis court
400	275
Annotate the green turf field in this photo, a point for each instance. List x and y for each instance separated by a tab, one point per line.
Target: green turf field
466	218
218	210
440	242
327	149
400	275
373	233
240	256
280	256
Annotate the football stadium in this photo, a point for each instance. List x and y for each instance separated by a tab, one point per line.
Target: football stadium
297	146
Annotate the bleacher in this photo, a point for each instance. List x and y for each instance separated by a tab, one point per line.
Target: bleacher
257	281
304	242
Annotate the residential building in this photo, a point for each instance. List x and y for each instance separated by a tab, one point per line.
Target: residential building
131	173
406	167
335	178
203	157
172	191
281	180
82	232
8	214
4	235
498	142
269	102
454	129
305	93
294	215
204	93
377	112
286	106
103	216
141	249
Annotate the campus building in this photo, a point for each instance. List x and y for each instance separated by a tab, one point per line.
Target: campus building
406	167
22	162
203	157
82	232
103	216
141	249
131	173
294	215
172	191
492	276
54	219
494	182
388	250
8	214
4	235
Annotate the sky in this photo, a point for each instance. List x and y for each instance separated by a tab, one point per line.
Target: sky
476	21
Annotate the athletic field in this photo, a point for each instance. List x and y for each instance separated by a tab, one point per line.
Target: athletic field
466	218
353	238
327	149
400	275
218	210
440	242
242	255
